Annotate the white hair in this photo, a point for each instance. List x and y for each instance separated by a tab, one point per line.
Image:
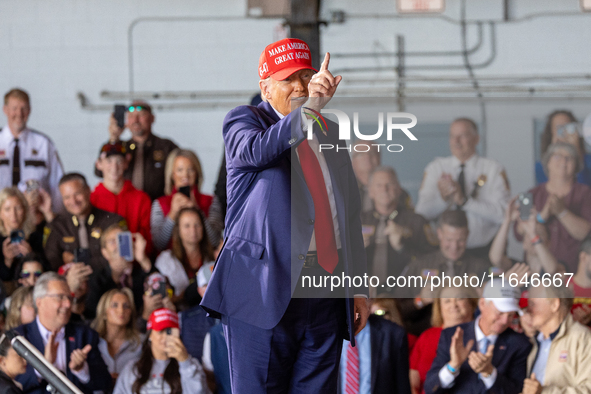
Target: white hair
40	289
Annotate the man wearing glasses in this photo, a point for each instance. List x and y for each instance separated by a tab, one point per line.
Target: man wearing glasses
148	151
71	348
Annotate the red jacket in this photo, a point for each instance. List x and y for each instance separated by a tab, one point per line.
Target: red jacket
134	205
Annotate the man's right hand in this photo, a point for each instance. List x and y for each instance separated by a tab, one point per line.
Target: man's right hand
457	351
114	130
51	348
446	186
322	86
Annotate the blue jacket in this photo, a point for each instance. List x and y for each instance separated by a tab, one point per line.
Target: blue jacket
509	358
389	357
269	221
76	336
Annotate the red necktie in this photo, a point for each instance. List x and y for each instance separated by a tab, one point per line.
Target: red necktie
352	375
326	246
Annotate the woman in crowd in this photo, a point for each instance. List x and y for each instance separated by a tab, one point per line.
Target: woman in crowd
11	365
535	244
561	127
115	323
164	366
453	306
28	270
183	170
21	310
563	204
190	251
17	232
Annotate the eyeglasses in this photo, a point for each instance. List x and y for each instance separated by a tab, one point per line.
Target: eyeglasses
134	108
26	274
60	297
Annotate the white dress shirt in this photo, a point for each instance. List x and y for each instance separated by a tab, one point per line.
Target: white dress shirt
38	160
446	378
60	361
485	211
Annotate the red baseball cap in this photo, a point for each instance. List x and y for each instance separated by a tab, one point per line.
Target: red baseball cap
162	319
282	58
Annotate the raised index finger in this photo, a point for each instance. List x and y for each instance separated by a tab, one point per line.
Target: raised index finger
324	65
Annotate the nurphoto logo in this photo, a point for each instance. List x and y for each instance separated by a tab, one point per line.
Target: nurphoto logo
345	129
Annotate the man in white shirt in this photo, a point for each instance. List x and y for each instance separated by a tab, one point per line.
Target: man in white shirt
27	154
466	181
71	348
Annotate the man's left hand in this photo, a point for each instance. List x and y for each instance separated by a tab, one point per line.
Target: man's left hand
78	358
361	311
322	86
531	385
482	362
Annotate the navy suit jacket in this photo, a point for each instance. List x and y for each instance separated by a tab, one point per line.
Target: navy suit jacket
76	336
270	214
509	358
389	357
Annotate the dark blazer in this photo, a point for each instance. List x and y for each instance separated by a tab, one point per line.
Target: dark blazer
389	357
7	386
267	231
509	358
76	336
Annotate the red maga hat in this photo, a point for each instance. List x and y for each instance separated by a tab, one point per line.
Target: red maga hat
162	319
282	58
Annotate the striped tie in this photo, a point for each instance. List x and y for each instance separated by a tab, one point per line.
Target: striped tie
352	384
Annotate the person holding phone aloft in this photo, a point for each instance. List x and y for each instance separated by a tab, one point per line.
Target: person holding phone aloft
119	272
183	190
164	366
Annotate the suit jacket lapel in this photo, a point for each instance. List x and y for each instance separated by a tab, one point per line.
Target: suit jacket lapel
500	348
69	337
35	337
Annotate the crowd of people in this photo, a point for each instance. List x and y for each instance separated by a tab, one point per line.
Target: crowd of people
130	322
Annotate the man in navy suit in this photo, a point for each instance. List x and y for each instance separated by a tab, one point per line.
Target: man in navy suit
483	355
380	364
71	348
293	211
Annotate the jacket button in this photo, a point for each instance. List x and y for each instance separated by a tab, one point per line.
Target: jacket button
301	257
291	141
310	221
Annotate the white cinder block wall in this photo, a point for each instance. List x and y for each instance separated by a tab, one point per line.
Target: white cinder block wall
56	48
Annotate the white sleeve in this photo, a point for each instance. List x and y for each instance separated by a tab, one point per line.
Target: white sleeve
490	380
446	378
206	358
492	198
430	203
125	379
56	171
192	377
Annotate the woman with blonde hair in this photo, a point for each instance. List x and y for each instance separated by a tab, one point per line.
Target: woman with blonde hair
183	179
18	236
115	319
21	310
452	306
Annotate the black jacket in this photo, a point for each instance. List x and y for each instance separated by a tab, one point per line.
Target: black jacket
7	385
